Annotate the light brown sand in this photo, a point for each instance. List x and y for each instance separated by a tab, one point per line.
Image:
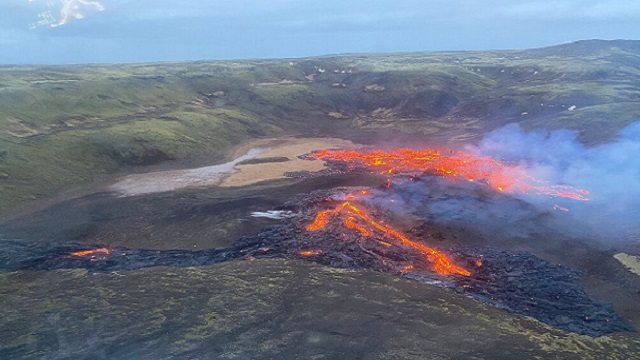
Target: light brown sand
230	173
629	261
289	147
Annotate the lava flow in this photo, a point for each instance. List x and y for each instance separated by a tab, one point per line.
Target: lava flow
499	176
357	219
92	253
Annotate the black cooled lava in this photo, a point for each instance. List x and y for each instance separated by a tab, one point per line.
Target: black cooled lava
518	282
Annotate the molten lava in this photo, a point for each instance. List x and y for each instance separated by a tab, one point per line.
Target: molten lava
310	252
91	253
357	219
499	176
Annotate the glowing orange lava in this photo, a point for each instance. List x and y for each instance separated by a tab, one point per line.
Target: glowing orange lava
310	252
90	252
456	164
357	219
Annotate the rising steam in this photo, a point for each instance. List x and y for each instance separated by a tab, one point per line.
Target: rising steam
513	184
611	173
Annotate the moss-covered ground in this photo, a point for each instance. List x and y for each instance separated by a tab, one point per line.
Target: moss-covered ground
61	126
268	309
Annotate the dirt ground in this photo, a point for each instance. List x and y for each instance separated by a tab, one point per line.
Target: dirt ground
291	148
630	262
232	173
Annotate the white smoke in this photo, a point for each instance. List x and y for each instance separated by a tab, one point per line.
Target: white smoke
610	172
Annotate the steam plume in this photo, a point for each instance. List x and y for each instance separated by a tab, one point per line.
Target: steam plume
610	172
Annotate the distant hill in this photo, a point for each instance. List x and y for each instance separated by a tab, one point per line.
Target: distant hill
62	126
589	48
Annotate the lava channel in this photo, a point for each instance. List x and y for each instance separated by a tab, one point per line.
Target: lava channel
357	219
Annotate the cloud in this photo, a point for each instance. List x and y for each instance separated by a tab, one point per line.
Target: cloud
190	9
315	13
313	27
568	9
355	21
12	36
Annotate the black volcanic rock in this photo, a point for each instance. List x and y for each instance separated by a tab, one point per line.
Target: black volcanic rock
517	282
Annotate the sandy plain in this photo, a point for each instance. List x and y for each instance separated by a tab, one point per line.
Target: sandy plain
234	173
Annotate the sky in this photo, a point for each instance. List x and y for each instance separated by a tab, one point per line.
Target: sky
125	31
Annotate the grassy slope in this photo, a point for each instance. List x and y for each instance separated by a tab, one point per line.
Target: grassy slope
63	126
268	309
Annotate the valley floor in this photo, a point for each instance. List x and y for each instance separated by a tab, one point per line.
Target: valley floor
235	172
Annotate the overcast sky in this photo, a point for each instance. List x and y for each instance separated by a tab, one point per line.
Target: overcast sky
160	30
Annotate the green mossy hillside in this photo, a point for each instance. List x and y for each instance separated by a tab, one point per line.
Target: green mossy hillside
62	126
